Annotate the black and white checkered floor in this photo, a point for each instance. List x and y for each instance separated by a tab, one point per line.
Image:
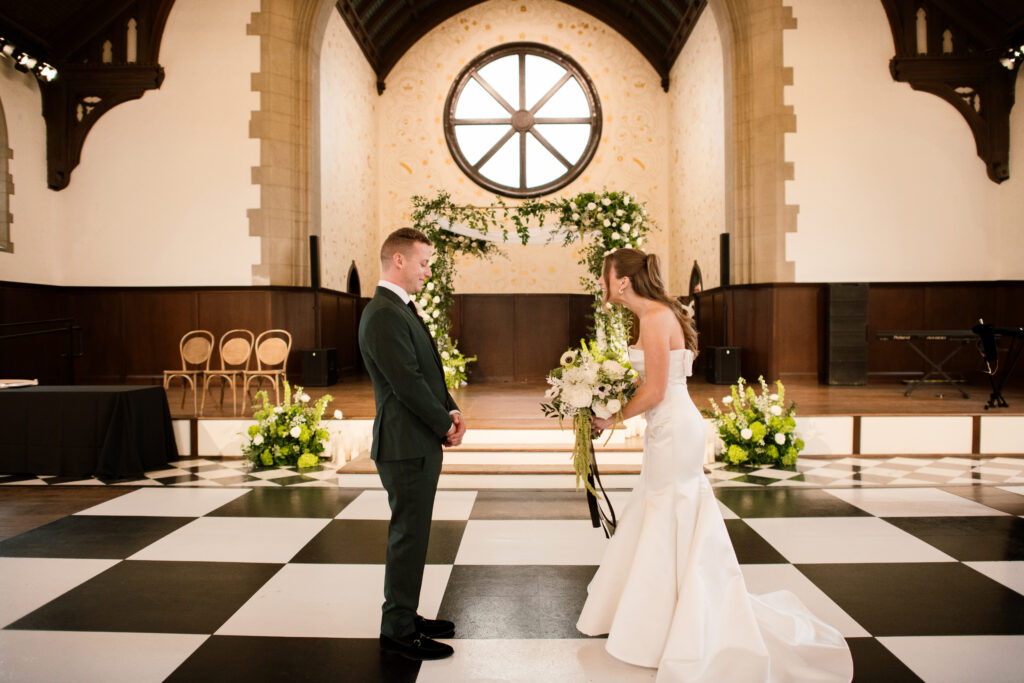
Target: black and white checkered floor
285	583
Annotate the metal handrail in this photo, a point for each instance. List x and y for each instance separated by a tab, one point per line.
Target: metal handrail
68	326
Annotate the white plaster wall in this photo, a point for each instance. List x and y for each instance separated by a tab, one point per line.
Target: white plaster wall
887	180
161	194
348	161
697	165
34	230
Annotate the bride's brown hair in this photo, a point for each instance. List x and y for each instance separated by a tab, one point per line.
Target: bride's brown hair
644	272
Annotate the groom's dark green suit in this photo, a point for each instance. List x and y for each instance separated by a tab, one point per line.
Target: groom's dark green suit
413	417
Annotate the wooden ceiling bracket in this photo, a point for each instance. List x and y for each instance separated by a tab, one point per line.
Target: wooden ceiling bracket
941	51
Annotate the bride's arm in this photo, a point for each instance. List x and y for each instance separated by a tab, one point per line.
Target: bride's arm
656	330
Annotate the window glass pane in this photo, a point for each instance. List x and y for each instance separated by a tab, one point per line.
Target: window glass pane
570	139
541	75
541	167
568	101
477	103
503	167
475	141
503	75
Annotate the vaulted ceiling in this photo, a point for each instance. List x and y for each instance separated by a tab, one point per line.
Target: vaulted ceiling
386	29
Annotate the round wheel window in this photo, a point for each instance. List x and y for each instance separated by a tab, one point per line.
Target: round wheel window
522	120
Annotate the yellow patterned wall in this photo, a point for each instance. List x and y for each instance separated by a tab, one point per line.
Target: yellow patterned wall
632	154
697	119
349	220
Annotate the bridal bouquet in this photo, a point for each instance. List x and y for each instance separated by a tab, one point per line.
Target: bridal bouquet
288	434
756	429
588	382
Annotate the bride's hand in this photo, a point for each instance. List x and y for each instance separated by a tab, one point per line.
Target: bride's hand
602	423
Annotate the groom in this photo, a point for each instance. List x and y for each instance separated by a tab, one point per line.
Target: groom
415	416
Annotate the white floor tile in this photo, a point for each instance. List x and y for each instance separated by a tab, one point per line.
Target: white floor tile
824	540
234	539
86	656
955	659
569	661
920	502
166	502
767	578
1014	489
451	505
28	583
1010	574
562	542
327	601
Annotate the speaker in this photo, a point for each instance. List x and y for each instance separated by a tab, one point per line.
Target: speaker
314	262
723	255
722	364
319	367
846	334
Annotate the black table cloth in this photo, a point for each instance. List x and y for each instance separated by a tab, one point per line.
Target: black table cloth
110	432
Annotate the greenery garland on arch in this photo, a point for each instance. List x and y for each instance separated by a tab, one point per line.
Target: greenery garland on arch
602	221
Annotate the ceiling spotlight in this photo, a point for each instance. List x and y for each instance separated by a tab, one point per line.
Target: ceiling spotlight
25	62
45	72
8	48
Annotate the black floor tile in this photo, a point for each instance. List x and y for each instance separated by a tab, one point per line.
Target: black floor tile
233	480
364	541
178	479
91	537
292	480
524	504
786	502
750	546
15	478
755	479
920	599
993	497
243	658
153	597
969	539
872	663
516	601
288	502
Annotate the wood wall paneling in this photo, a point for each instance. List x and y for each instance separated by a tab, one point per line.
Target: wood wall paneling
488	325
38	357
797	346
100	314
292	310
154	321
894	307
542	333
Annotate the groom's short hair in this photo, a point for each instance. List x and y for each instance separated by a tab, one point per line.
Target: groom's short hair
401	241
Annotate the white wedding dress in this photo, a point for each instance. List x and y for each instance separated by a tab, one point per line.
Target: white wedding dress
669	592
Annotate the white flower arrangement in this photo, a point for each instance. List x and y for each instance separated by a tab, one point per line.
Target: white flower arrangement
756	429
290	433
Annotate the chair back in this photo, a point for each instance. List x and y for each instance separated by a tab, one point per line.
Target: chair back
196	348
235	350
272	349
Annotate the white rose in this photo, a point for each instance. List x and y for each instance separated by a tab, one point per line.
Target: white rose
614	405
746	433
780	439
639	241
591	206
337	414
606	201
304	398
575	216
625	200
295	432
607	223
613	369
278	409
601	410
616	236
774	397
776	410
257	440
430	286
727	400
625	227
590	371
577	395
445	355
437	299
436	313
620	212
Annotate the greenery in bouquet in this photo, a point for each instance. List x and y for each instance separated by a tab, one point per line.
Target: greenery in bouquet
589	381
756	429
288	434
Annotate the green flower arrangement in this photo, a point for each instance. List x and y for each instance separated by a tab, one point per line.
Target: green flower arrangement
756	430
603	221
289	434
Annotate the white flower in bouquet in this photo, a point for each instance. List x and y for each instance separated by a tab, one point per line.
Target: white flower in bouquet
590	371
437	299
278	409
616	236
601	410
780	439
295	432
773	397
727	400
574	375
602	391
613	369
551	393
620	212
575	216
746	433
625	228
607	223
430	286
614	405
304	398
591	206
569	357
445	355
257	440
337	414
436	313
577	395
606	201
776	410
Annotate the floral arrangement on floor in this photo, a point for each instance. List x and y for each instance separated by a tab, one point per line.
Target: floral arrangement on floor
756	430
589	381
288	434
601	221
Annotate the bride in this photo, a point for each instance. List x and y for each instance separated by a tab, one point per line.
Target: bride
669	592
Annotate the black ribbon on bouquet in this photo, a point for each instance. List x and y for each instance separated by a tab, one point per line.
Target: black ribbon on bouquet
598	517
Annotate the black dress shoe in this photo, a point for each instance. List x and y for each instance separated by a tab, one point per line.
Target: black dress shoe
435	628
417	646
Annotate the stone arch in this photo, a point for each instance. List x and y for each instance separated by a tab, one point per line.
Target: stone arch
6	185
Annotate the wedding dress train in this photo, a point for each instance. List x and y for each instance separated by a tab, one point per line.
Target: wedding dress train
670	593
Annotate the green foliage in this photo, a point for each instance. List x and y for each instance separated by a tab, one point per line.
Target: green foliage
756	430
288	434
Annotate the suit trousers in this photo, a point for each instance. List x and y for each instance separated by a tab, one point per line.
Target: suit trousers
411	486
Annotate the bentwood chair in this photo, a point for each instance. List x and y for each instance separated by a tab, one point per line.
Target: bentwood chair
272	349
195	349
235	351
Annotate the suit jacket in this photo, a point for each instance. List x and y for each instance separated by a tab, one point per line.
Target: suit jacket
412	400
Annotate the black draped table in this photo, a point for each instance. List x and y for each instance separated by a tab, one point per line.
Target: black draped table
110	432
